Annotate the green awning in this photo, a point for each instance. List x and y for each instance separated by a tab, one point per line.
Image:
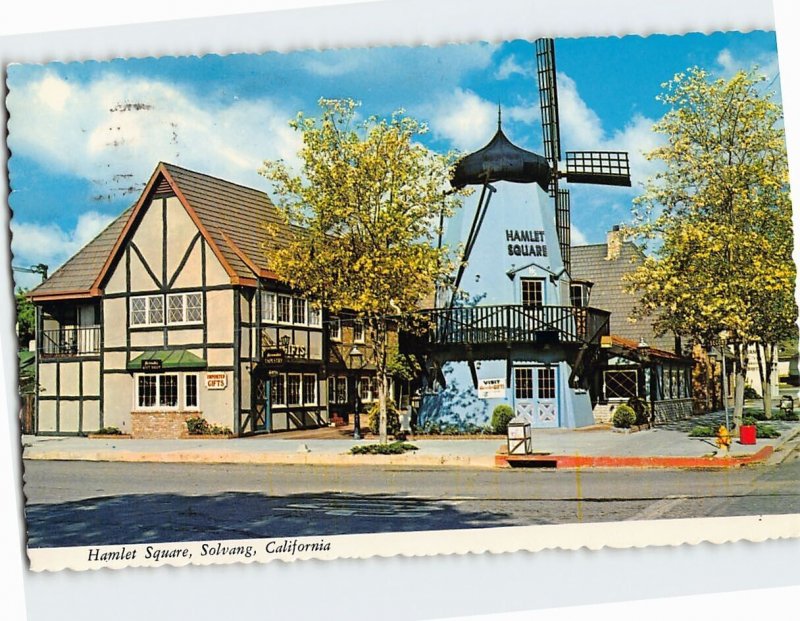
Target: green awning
170	359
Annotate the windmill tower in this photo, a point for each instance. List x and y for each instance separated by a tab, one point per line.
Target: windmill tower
505	330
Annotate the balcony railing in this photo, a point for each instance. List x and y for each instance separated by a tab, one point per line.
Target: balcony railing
70	341
505	324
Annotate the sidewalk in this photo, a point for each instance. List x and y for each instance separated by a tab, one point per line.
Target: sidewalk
595	447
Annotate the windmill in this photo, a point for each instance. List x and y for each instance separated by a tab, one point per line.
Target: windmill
595	167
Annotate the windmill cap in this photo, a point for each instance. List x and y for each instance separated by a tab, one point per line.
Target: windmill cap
501	160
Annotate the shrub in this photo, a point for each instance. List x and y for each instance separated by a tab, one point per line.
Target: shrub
109	431
749	420
501	416
783	415
395	448
702	431
767	431
199	426
392	419
623	417
750	393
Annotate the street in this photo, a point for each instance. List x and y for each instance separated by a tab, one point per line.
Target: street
83	503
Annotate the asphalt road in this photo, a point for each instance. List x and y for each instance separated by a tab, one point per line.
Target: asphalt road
89	503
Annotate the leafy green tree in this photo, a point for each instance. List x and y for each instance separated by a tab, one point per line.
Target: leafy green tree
366	204
26	318
720	216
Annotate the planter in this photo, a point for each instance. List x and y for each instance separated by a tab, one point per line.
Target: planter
219	436
109	436
747	434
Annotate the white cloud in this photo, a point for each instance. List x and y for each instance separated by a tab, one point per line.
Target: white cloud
118	128
579	124
577	237
729	64
511	66
50	244
463	118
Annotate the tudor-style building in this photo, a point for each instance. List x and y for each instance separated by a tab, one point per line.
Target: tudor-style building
168	313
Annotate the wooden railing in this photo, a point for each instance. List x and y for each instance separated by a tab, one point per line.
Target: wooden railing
70	341
511	323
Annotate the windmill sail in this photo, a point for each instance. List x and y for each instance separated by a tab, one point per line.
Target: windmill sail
598	167
548	101
563	228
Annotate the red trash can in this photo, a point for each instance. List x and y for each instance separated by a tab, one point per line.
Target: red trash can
747	434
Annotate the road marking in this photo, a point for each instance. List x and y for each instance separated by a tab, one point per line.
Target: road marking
660	508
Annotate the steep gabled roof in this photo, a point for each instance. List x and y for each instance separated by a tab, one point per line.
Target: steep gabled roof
608	292
75	277
230	216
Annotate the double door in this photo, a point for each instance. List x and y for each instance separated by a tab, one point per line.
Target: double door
536	394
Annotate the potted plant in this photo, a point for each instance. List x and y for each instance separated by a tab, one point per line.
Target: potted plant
747	430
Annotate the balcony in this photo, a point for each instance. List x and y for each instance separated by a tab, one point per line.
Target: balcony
486	332
70	342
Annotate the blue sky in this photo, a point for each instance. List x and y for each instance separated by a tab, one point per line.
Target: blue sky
84	137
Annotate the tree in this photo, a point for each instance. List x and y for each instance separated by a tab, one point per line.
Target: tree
721	212
367	205
26	318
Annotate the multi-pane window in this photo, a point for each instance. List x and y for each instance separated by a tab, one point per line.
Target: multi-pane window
358	331
191	391
293	385
157	391
309	390
368	388
532	291
278	384
267	307
621	383
184	308
299	311
314	316
284	309
147	310
335	328
523	383
547	383
337	389
578	295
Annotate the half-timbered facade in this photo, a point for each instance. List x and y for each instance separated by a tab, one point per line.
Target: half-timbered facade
171	313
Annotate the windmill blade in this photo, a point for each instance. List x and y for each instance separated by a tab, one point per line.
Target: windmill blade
548	99
598	167
563	228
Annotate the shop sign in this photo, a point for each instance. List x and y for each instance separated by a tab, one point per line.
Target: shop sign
216	381
273	357
152	365
492	388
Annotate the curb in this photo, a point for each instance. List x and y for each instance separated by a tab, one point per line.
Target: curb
595	461
309	459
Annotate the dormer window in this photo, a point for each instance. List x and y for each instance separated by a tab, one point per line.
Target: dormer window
579	293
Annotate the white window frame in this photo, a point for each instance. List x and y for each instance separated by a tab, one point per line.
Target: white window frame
334	382
147	300
184	392
314	315
299	401
290	314
298	303
184	309
267	317
282	392
157	407
335	328
310	379
358	339
370	381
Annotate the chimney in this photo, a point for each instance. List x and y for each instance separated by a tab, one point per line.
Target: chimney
614	243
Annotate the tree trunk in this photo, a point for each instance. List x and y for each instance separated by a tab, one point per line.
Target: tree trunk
766	378
741	375
709	383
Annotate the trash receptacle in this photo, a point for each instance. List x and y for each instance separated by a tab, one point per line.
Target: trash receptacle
787	404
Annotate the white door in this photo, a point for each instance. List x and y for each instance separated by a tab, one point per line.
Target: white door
535	394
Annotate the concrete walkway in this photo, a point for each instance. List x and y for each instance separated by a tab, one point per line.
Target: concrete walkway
666	447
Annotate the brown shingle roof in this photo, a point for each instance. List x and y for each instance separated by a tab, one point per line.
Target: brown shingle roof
80	271
608	293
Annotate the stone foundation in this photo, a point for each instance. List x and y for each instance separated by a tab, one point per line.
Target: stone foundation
160	424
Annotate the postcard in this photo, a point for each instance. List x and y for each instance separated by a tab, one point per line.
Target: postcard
478	296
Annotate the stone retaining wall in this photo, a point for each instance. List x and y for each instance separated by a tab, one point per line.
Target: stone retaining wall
672	410
160	424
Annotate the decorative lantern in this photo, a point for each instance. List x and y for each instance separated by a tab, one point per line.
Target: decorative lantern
519	435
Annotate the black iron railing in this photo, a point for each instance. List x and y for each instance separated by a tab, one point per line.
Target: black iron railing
511	323
70	341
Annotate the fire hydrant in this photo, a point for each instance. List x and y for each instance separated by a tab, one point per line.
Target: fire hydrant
723	440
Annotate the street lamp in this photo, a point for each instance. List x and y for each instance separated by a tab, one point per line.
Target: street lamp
355	352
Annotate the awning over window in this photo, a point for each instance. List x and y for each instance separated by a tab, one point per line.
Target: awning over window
167	359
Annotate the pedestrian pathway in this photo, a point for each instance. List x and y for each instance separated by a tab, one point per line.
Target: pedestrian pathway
598	446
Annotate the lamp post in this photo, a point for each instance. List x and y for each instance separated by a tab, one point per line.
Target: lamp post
723	336
355	352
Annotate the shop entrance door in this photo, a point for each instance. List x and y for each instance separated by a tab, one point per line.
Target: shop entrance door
262	404
535	394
